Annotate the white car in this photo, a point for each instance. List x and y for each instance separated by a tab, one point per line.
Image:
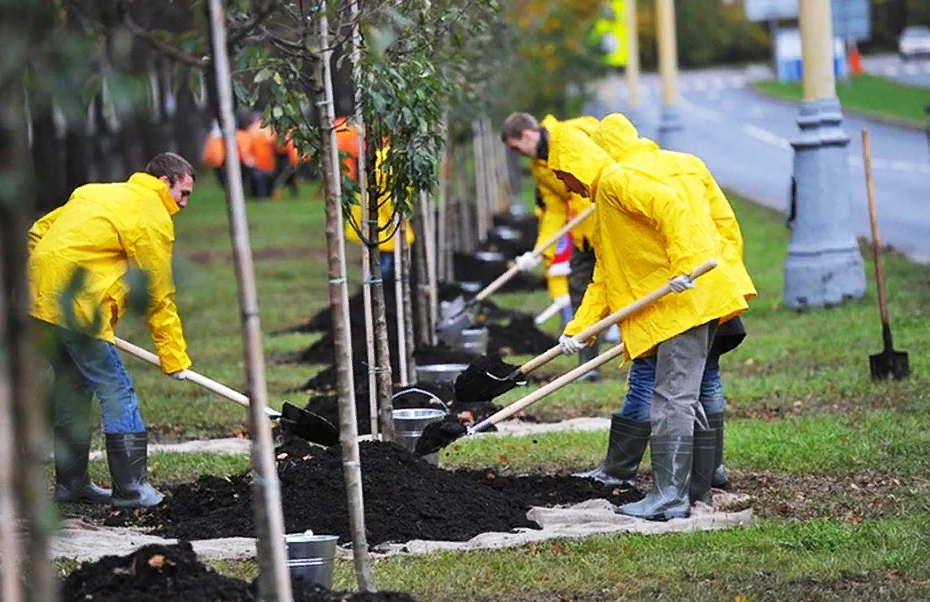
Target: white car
914	41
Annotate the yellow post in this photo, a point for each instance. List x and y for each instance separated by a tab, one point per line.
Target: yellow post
817	77
632	61
668	51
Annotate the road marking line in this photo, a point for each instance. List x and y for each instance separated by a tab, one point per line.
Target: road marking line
766	136
890	71
703	112
737	81
719	83
910	69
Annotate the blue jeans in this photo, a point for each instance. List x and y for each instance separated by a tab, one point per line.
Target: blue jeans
101	373
638	402
387	264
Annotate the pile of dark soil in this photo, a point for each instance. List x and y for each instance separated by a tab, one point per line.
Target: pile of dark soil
155	573
469	268
551	490
405	498
519	336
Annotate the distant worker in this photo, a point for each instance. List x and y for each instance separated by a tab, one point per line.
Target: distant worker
530	138
79	255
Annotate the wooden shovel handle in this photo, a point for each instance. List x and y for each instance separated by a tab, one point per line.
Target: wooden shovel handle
873	222
614	318
538	251
194	377
549	388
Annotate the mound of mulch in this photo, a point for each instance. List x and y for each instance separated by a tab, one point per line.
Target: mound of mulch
551	490
469	268
405	498
155	573
519	336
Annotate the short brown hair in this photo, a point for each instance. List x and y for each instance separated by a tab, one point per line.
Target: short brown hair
516	124
170	165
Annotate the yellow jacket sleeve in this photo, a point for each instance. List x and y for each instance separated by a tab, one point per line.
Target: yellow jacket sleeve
673	218
593	307
151	251
555	208
722	214
38	229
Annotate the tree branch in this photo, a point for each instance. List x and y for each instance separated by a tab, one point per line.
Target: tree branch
166	49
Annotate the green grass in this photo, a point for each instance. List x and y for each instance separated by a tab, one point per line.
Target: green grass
867	94
840	464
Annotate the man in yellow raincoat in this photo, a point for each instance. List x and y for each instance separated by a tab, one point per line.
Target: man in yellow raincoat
629	433
646	235
79	255
530	138
385	234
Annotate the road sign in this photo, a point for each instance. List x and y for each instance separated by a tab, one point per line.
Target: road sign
767	10
851	19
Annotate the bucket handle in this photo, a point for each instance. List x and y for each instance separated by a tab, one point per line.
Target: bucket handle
419	390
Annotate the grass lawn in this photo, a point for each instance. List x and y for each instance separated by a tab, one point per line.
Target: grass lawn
868	94
838	467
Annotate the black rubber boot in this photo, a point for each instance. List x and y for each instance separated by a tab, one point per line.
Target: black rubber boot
127	454
720	479
671	470
586	355
72	482
702	469
625	449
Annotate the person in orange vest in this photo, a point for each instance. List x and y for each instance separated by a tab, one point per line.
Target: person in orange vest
347	142
214	151
263	142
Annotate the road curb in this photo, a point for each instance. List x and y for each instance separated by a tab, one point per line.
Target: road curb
904	124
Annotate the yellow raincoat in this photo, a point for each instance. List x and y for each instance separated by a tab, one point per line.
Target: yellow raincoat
385	214
645	234
103	228
685	173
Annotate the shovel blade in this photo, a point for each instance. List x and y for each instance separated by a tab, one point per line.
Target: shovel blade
308	425
889	364
484	379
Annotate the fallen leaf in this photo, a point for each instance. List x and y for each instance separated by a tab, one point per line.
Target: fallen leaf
157	561
739	598
282	455
503	459
895	573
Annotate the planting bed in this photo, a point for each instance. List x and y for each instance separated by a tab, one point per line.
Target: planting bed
156	573
406	498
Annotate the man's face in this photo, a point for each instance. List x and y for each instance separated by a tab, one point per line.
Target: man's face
572	183
526	144
181	190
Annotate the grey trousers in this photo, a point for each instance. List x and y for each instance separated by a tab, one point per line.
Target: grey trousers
679	370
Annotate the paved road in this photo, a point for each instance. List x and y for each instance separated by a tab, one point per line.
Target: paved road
915	71
745	140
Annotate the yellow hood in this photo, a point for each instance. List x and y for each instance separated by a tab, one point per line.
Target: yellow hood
619	137
573	152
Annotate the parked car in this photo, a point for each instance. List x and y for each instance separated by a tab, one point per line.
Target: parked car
914	41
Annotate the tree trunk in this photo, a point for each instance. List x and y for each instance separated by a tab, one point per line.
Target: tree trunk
274	583
382	346
339	307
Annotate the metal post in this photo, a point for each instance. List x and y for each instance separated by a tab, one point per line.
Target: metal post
823	266
671	127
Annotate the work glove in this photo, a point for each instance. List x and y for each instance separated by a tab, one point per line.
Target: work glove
680	284
179	375
562	301
528	261
569	345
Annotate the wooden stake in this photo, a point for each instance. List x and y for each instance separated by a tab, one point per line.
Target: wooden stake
274	581
399	239
481	192
339	306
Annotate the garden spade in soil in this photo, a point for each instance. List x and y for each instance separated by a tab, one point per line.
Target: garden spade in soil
487	377
889	363
304	424
460	318
438	435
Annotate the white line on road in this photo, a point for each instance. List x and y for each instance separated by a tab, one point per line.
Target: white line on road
766	136
702	112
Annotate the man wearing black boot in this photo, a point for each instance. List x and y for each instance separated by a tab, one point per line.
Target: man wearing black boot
692	180
79	255
645	235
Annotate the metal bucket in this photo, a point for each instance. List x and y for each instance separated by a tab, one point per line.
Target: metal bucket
490	256
409	425
439	373
470	286
311	557
475	341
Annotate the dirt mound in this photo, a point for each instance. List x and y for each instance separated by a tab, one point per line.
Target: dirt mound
405	498
551	490
519	336
155	573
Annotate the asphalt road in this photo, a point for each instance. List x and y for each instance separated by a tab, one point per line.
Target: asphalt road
744	138
915	71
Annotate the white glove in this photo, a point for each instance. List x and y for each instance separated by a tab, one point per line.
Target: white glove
528	261
559	269
569	345
179	375
680	284
612	335
562	301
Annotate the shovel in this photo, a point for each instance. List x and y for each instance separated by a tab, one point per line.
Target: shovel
304	424
438	435
554	308
889	363
477	383
461	319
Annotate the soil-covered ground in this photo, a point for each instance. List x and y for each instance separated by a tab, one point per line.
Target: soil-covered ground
405	498
156	573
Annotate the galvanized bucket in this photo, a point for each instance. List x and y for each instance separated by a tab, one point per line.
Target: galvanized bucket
311	557
439	373
475	341
409	425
